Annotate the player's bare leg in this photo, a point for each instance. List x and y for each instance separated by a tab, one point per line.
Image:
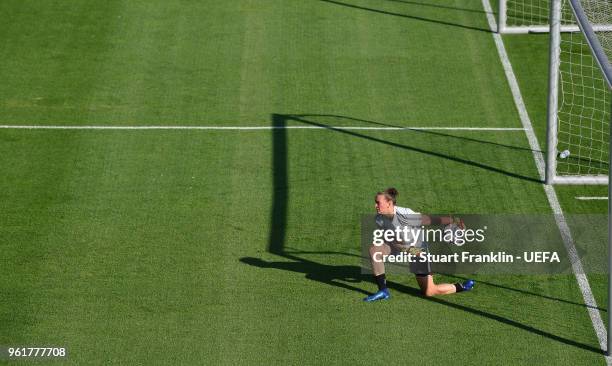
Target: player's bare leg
378	268
376	255
429	288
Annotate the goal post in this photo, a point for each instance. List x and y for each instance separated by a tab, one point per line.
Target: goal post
579	94
579	116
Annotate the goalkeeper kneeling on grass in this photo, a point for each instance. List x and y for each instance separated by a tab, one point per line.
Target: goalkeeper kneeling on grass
390	216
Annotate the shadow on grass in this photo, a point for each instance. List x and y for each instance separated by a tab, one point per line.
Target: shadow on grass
437	6
529	293
346	276
429	132
408	16
338	276
309	121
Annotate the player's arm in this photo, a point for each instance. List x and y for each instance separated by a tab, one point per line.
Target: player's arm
440	220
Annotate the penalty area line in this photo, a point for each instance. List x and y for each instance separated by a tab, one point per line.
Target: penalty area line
256	128
585	198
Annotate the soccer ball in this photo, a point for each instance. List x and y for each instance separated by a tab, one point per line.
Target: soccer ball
564	154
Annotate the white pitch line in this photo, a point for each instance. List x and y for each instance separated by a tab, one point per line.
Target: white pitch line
579	273
250	128
584	198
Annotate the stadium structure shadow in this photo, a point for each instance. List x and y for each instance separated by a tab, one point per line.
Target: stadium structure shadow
436	6
345	276
408	16
427	132
529	293
310	120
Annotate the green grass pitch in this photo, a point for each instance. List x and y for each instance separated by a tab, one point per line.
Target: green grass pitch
213	247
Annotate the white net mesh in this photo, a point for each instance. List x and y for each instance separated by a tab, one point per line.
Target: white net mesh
599	14
527	13
584	99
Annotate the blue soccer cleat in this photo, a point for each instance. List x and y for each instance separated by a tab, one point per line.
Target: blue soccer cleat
380	295
468	285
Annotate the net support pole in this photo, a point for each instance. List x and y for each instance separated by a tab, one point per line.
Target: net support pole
553	90
589	34
501	22
609	338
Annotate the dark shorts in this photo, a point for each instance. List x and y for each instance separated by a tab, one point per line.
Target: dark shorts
420	269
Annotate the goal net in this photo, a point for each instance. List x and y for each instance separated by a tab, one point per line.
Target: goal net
579	94
524	16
